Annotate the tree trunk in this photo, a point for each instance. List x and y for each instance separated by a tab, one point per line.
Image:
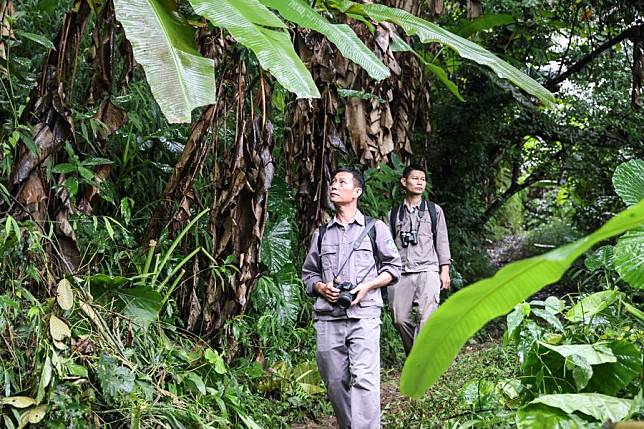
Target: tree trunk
370	129
52	126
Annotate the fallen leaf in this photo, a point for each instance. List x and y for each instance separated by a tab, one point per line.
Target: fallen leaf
58	329
18	401
65	295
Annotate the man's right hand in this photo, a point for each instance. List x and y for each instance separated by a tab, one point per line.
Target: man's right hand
327	291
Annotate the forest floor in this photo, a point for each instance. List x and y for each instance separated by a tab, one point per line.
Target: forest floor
443	403
482	358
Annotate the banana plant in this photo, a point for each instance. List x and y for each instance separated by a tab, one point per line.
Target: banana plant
179	77
182	80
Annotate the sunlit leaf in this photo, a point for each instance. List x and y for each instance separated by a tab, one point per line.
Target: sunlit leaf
542	417
469	309
215	359
601	407
628	181
257	28
179	77
592	305
341	35
594	354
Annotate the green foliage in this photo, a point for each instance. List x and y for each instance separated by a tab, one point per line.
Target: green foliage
428	32
628	181
89	375
257	28
180	78
382	188
341	35
455	321
454	400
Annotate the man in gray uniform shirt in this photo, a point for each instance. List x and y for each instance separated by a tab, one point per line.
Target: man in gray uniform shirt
348	326
425	258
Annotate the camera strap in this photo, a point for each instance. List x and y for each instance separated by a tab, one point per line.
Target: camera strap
398	211
421	213
369	224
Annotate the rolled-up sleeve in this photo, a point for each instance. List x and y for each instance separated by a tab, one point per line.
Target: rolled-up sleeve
311	270
442	241
387	252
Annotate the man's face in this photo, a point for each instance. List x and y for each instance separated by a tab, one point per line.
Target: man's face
414	183
343	189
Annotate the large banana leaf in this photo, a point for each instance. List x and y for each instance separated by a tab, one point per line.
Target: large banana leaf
471	308
341	35
257	28
428	32
179	77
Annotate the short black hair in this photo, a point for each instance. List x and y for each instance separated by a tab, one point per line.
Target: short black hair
413	167
358	179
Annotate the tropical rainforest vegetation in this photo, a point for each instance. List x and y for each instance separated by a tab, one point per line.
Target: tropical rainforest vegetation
163	164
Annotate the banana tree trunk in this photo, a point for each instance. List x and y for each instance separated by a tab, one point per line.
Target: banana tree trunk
52	126
371	129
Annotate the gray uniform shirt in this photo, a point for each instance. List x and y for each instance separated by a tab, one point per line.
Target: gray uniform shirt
422	256
336	246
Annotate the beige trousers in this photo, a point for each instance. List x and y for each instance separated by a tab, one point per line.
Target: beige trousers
348	356
420	290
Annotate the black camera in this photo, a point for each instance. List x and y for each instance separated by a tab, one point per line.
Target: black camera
345	299
408	237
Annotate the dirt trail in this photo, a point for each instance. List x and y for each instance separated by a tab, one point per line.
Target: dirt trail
390	399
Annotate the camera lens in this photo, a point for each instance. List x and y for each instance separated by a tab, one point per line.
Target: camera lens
345	299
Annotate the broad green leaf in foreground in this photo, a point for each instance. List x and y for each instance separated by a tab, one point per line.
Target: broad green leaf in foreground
594	354
611	377
628	181
341	35
629	257
142	303
257	28
429	32
541	417
601	407
179	77
592	305
471	308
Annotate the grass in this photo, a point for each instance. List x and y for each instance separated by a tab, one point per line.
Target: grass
443	405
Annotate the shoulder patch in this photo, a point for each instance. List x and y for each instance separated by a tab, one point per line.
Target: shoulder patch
391	245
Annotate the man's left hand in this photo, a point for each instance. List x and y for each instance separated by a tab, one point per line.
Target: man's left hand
360	291
445	280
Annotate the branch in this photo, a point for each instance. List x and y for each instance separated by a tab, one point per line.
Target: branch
513	189
553	84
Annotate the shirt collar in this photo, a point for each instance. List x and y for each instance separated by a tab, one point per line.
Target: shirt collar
413	208
359	219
